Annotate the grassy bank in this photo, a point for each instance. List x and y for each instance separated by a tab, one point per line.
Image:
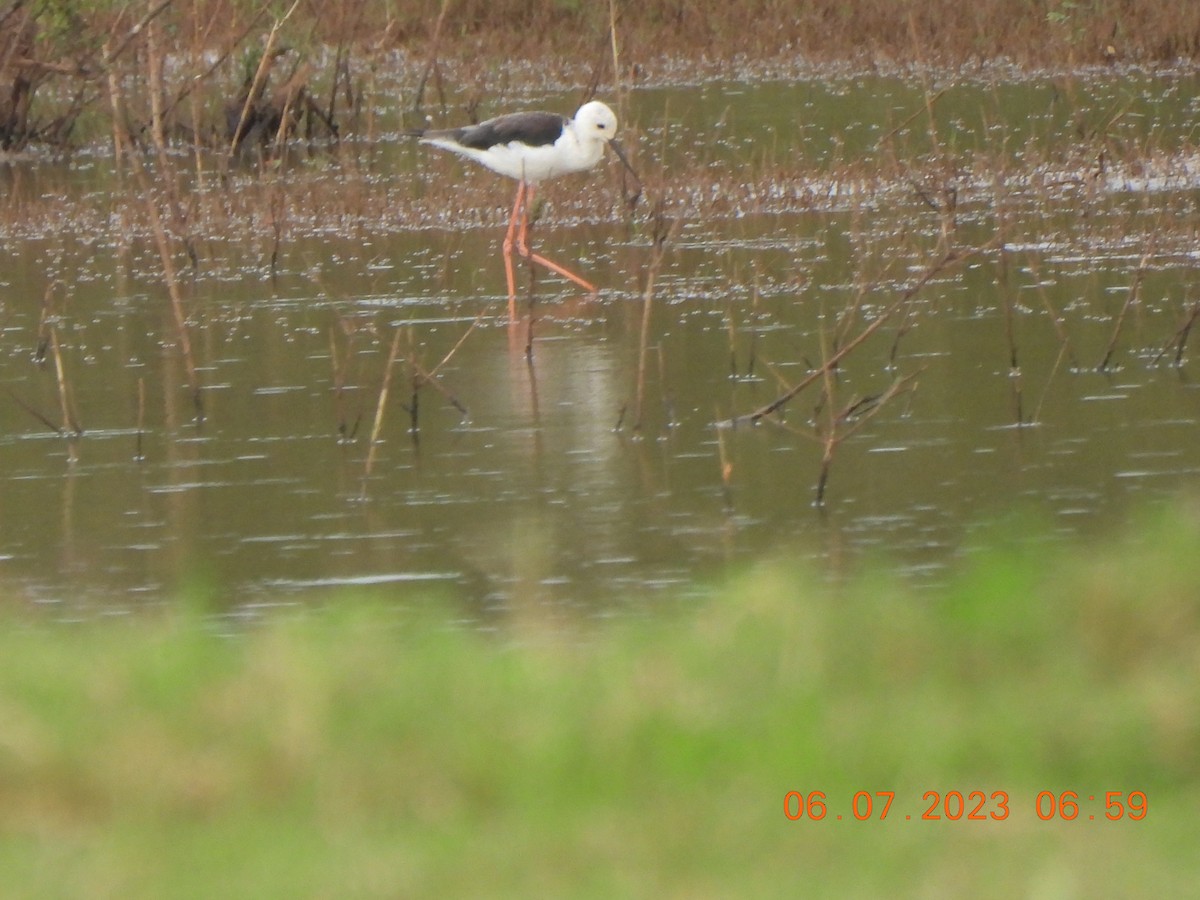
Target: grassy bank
365	750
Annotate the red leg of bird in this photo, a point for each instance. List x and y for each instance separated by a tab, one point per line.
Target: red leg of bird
523	248
508	248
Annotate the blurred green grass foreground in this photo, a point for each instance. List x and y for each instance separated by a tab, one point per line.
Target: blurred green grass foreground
361	750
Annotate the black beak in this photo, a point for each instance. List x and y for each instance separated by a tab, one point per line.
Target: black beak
621	156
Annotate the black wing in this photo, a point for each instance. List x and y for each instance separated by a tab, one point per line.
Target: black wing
537	129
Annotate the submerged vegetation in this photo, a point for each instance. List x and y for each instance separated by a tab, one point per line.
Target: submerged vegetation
365	749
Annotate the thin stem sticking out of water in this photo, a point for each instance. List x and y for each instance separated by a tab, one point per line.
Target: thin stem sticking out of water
65	399
154	65
952	257
171	277
731	327
43	342
139	453
341	367
753	351
381	403
431	62
1179	338
1131	299
427	378
1010	334
726	469
664	229
849	419
1055	318
926	108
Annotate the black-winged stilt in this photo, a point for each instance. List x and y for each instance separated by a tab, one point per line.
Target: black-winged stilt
533	147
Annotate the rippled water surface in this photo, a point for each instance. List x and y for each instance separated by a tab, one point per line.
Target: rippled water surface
526	482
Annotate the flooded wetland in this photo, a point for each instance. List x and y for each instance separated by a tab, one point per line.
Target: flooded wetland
852	316
338	563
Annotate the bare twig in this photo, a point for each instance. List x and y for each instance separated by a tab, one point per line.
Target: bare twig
381	404
952	257
1131	299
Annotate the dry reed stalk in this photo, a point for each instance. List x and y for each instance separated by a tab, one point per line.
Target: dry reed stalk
1058	360
1010	334
726	469
154	64
926	108
1179	338
188	90
457	344
620	417
340	369
861	410
754	299
110	55
414	405
259	81
663	230
421	377
381	403
1056	319
668	397
731	328
1131	298
829	441
616	56
65	398
171	277
530	319
138	453
431	63
44	325
116	105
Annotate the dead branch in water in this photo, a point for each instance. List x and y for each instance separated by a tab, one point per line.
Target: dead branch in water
1179	338
952	257
851	417
1131	298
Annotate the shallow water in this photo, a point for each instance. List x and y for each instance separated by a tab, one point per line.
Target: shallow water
535	499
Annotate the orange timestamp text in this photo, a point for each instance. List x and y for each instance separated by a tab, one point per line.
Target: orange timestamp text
970	806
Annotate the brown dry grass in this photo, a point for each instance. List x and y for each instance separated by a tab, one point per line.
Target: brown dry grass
180	71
